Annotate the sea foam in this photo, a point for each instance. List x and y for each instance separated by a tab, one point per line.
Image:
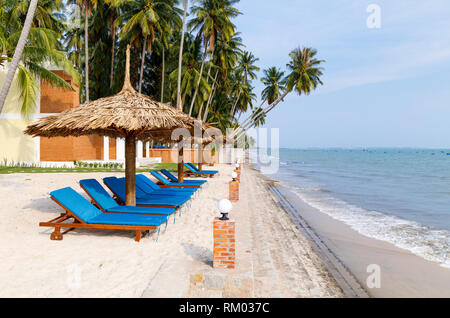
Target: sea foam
426	242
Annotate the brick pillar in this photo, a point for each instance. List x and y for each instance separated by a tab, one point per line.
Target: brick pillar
224	244
238	175
233	192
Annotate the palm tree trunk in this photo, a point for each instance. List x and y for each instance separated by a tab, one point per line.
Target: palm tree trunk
246	121
113	51
264	112
180	58
205	115
235	104
199	116
141	72
86	48
183	98
18	52
198	82
163	73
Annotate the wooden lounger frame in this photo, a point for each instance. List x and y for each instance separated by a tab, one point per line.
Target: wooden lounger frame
57	223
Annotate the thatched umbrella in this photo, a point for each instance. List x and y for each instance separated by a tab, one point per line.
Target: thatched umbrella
128	115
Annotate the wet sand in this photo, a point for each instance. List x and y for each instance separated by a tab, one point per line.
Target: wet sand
403	274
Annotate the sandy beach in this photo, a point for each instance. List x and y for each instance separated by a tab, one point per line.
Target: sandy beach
273	258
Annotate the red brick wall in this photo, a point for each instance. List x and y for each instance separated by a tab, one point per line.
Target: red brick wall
224	244
88	148
54	99
233	191
112	149
71	148
57	149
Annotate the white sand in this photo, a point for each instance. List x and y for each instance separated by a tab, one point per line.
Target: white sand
111	264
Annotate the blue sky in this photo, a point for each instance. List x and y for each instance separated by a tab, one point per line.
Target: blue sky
386	87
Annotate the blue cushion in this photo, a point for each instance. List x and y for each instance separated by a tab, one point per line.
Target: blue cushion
115	187
162	193
118	187
169	175
140	209
129	219
98	193
175	179
76	204
158	176
145	182
202	171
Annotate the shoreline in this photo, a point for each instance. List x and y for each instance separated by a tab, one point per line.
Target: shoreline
403	274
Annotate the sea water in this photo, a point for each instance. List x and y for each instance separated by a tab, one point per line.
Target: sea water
401	196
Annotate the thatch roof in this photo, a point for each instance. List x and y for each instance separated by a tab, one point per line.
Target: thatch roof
124	114
114	116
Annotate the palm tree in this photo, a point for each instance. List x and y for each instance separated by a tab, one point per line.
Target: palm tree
211	96
225	59
86	6
144	19
275	84
174	20
246	99
18	52
304	77
180	56
113	15
213	21
40	47
248	68
260	115
190	71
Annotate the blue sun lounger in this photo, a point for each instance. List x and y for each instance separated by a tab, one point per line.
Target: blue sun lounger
167	184
101	198
149	187
195	172
117	187
87	216
172	178
202	171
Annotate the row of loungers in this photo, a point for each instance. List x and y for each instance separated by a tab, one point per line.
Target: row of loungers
155	204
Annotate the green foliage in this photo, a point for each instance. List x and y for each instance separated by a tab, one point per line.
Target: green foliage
42	47
225	91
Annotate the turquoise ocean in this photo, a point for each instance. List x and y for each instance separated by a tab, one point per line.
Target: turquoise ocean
401	196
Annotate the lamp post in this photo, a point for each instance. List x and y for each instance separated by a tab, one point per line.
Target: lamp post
233	191
224	251
238	172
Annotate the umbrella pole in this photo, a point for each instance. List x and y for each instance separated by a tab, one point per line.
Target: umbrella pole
181	161
200	161
130	170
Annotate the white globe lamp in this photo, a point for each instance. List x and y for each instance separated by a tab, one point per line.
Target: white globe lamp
224	207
